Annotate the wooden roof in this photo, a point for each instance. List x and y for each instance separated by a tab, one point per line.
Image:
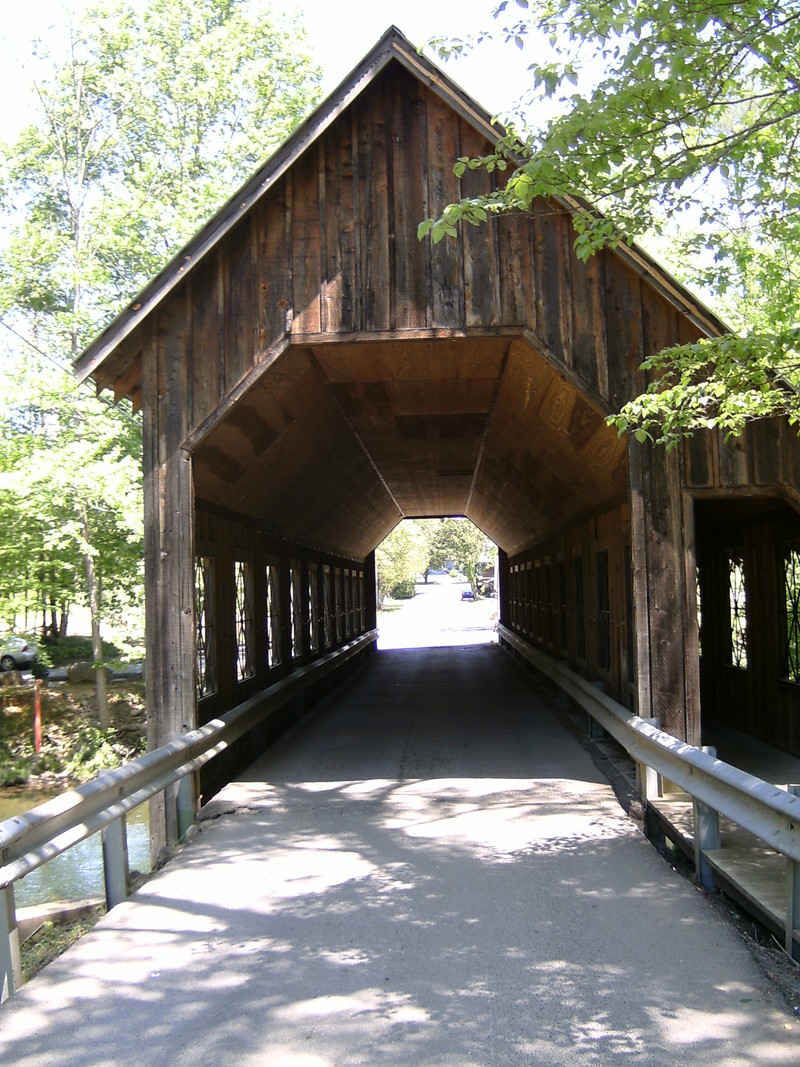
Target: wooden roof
392	46
332	374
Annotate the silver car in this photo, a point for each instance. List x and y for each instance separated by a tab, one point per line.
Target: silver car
16	652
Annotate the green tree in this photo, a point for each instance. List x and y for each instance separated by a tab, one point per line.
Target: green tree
674	117
148	121
72	496
399	559
461	541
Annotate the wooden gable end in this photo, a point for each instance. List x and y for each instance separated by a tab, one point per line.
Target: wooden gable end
315	275
330	251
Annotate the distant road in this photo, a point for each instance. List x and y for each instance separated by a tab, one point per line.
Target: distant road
437	616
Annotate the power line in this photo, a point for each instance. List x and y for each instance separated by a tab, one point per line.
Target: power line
65	370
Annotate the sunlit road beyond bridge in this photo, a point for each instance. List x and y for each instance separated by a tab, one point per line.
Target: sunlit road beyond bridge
428	870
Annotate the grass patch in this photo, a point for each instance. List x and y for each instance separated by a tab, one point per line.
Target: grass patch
52	939
74	746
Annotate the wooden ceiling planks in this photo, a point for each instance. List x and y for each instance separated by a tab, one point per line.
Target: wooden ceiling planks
549	459
335	444
285	456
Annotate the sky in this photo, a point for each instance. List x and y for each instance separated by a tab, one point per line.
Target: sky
340	33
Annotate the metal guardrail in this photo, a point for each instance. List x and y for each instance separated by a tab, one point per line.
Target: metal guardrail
768	812
33	838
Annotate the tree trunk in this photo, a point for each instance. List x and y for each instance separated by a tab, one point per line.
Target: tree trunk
94	589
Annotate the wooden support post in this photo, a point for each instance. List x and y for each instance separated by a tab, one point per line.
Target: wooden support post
10	965
169	551
662	542
115	861
706	836
792	897
370	593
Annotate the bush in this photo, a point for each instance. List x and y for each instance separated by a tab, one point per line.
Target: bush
74	649
403	590
95	750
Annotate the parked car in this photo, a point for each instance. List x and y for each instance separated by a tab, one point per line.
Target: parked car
467	594
16	652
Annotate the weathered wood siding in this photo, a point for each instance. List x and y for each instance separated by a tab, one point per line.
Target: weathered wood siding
765	458
572	596
330	252
759	696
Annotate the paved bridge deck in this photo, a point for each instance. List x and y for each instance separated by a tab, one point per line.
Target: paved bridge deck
429	870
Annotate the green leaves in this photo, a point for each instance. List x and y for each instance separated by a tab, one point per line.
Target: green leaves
718	383
154	116
675	121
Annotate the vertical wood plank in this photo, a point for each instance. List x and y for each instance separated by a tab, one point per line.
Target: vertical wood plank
481	279
373	216
552	254
205	352
589	351
240	314
408	174
273	277
515	270
672	638
340	222
169	572
447	256
306	266
623	304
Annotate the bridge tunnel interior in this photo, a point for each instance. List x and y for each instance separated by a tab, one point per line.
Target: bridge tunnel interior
334	444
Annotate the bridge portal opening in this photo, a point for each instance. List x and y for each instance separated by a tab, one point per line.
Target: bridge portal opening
436	585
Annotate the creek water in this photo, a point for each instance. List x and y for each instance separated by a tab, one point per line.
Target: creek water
78	872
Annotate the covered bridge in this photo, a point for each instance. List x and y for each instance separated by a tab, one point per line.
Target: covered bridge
310	374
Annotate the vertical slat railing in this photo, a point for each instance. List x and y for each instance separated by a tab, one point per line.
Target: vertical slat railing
29	840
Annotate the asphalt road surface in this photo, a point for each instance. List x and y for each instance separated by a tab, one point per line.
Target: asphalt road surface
427	871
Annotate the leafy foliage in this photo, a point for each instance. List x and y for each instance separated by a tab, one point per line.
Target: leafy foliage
462	542
416	546
151	121
399	559
676	118
149	118
71	493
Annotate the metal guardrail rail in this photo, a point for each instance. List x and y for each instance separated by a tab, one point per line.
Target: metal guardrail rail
33	838
768	812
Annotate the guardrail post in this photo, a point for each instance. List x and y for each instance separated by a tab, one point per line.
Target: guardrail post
706	835
184	804
648	779
792	896
115	861
10	965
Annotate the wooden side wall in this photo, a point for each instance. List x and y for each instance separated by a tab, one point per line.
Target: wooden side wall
765	458
752	485
350	609
554	596
759	696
